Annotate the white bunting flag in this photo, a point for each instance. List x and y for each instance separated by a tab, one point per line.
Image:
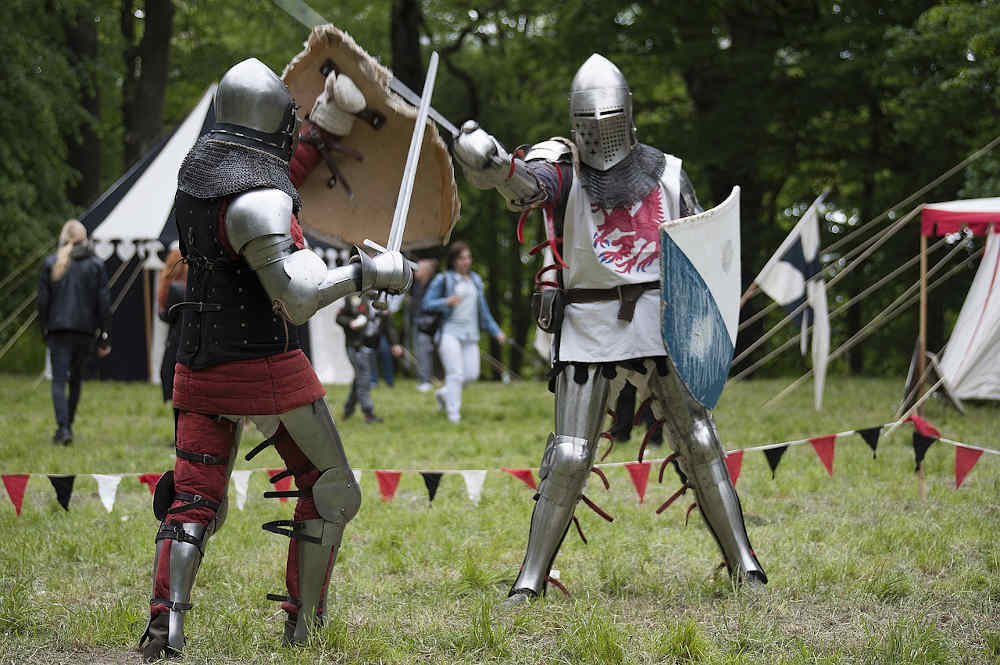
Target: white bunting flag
240	481
357	476
474	484
107	487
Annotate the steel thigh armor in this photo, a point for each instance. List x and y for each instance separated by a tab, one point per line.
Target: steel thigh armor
692	434
566	463
337	499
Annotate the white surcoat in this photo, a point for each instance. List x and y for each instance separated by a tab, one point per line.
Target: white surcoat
608	248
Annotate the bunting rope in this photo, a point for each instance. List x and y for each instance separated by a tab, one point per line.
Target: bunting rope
966	456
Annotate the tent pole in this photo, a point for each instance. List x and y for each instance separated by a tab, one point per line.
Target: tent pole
146	304
922	358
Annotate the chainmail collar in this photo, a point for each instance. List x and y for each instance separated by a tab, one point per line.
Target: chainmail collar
215	168
626	182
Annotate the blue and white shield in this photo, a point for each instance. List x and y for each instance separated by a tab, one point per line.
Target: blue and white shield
700	269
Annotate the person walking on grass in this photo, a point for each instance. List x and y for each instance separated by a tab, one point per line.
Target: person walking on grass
422	343
364	326
458	292
74	309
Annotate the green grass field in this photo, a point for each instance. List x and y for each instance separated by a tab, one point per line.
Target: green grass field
861	569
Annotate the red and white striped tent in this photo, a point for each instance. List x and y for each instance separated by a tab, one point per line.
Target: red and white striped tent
970	364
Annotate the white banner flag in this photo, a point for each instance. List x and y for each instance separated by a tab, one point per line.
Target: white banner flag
241	479
474	484
107	487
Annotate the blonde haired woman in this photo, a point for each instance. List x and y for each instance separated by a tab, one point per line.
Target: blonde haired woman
74	310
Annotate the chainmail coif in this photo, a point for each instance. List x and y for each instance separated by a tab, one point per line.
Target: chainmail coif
216	168
626	182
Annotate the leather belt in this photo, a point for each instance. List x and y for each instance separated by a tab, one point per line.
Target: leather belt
626	295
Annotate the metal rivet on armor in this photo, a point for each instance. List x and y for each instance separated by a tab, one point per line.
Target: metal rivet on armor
243	325
244	341
242	307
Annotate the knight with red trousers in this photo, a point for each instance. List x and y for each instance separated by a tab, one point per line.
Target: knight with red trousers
250	282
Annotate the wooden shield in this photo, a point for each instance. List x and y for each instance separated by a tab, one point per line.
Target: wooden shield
329	212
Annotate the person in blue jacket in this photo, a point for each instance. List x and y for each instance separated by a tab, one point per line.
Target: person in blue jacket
458	293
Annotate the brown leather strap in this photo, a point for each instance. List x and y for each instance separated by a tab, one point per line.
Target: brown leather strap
626	295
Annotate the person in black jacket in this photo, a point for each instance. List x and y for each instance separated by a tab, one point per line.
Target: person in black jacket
363	325
74	310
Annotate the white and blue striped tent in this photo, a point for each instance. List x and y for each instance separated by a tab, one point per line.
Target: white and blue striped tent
132	227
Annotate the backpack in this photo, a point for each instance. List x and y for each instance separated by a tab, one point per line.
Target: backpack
430	322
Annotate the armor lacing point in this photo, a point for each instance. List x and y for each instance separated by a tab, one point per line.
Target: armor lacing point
653	429
687	515
673	497
559	585
600	474
611	443
663	465
579	530
597	509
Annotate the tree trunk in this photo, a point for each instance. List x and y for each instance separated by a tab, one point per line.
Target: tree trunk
84	147
145	80
404	28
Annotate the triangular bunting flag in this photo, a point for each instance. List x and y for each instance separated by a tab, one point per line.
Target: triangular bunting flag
525	475
15	484
920	445
150	479
107	487
63	486
639	471
924	427
388	481
824	447
357	476
474	484
282	485
774	457
965	459
431	480
870	435
241	480
734	462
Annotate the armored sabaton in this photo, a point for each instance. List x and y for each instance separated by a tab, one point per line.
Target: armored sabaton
605	169
247	281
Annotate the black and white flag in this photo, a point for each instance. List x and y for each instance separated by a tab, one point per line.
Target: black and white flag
793	277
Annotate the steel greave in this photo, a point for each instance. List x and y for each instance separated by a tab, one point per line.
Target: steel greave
315	561
693	435
566	463
185	559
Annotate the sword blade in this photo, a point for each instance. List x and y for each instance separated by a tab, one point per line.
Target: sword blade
412	159
305	15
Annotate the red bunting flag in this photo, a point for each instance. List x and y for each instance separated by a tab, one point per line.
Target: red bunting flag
283	484
823	445
150	479
388	481
640	477
734	462
525	475
15	484
965	459
923	427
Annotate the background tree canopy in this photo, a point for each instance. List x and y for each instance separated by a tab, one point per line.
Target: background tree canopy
871	99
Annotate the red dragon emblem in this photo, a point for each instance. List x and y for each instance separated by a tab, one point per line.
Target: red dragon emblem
631	235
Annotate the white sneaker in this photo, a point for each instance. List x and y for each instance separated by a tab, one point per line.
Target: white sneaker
439	396
424	387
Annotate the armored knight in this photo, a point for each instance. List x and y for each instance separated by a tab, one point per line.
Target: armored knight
250	282
603	195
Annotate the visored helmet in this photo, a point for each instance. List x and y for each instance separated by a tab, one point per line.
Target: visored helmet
600	109
254	108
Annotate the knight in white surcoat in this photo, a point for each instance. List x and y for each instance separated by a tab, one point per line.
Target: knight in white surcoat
603	196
